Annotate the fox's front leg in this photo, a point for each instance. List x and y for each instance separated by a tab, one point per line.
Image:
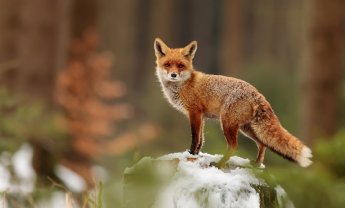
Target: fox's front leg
196	123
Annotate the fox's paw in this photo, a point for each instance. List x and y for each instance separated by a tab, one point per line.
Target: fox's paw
256	164
219	165
193	152
214	164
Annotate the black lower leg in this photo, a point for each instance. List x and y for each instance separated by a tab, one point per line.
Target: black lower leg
193	148
196	121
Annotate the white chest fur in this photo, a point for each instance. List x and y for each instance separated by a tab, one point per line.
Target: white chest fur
171	92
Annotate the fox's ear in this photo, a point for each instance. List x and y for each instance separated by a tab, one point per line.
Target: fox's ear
160	48
190	49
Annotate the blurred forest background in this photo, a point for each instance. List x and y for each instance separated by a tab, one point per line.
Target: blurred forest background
79	100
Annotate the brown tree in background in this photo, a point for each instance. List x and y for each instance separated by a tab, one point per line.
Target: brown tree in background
89	97
87	94
322	73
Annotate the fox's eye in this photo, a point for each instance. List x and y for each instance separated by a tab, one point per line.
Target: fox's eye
167	65
180	66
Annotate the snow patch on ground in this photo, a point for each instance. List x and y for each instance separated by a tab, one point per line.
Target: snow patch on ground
196	184
22	164
73	181
22	179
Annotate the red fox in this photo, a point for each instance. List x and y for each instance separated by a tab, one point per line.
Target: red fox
237	104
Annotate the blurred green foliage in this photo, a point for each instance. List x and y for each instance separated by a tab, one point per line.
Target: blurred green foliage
329	152
26	120
323	183
95	198
23	120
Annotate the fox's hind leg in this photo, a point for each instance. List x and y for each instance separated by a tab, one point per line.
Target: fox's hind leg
248	131
230	131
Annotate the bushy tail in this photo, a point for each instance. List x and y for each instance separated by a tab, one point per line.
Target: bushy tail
270	132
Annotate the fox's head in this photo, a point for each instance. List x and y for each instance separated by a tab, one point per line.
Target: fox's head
174	64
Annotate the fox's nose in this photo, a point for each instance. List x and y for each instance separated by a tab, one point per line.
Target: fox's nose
173	75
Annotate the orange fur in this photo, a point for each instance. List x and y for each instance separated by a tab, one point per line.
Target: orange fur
237	104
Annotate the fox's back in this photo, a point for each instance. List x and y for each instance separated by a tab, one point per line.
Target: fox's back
212	93
229	88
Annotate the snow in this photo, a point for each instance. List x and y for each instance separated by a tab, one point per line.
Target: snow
22	164
100	173
73	181
23	180
196	184
5	178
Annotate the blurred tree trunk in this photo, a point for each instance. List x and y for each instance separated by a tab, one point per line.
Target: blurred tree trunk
322	73
120	34
84	16
232	40
203	25
271	33
162	29
292	36
8	29
40	47
279	42
262	33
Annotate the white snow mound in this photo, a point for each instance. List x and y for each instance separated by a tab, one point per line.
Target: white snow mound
196	184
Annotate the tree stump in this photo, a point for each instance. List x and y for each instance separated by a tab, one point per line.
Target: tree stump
181	180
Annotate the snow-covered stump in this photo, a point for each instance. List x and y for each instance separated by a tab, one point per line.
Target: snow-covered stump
180	180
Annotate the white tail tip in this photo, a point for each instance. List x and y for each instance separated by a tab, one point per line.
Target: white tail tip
304	158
